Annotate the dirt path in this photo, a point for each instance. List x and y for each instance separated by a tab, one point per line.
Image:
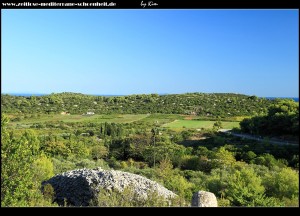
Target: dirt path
164	125
261	139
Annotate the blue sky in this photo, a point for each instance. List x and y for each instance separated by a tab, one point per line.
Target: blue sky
253	52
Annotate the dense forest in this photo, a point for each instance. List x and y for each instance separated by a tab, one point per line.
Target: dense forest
39	141
217	105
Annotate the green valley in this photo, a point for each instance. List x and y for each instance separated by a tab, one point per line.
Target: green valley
171	139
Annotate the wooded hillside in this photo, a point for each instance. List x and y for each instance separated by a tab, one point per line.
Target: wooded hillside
201	104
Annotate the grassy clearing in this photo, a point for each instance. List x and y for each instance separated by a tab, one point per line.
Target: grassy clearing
172	121
127	118
80	118
161	119
196	124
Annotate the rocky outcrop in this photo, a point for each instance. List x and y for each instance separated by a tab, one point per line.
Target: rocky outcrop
80	187
204	199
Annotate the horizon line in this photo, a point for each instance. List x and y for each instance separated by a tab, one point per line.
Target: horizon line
97	94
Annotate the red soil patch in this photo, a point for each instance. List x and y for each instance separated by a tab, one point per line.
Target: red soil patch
190	117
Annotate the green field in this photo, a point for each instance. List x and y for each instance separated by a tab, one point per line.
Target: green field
127	118
198	124
172	121
160	119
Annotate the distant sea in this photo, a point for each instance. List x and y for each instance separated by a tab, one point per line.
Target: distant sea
273	98
39	94
25	94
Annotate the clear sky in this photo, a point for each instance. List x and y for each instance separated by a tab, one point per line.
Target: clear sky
120	52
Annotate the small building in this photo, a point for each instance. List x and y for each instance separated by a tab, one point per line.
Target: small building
90	113
65	113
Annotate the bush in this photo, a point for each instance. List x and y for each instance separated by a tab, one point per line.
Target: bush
98	152
283	183
62	165
244	188
43	168
130	198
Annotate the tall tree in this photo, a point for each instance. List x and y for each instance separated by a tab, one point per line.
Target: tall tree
17	156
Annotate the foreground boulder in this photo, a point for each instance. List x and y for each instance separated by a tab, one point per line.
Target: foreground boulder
80	187
204	199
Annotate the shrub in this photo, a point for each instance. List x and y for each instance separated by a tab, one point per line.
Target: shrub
130	198
43	168
283	183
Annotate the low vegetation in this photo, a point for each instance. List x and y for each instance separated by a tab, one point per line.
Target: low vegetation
178	146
